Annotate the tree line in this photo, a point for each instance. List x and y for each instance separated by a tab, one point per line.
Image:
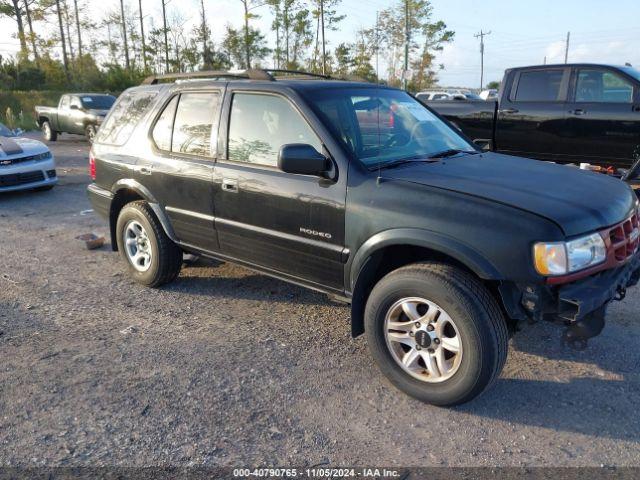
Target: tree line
128	43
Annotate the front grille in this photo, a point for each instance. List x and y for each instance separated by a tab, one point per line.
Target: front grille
625	238
20	178
5	162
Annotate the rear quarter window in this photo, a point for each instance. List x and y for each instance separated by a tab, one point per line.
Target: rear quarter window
129	109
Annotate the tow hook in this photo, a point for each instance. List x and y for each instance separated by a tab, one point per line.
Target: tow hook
577	334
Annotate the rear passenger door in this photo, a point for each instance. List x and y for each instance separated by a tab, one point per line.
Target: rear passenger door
531	114
603	120
179	169
289	224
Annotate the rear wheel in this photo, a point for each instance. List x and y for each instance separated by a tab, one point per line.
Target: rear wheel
152	258
48	133
436	333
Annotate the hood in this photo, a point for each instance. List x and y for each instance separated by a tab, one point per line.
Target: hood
578	201
12	146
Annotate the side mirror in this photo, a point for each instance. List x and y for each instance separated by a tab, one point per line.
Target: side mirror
483	143
74	107
302	159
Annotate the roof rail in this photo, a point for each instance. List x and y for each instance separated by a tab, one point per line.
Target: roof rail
297	72
251	74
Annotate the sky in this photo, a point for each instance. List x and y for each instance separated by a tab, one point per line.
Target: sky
522	32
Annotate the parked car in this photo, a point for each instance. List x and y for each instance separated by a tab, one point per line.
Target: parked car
439	96
490	94
441	249
564	113
79	113
451	94
24	163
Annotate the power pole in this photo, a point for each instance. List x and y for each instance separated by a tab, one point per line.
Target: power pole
144	45
481	35
407	38
124	36
324	54
166	41
566	51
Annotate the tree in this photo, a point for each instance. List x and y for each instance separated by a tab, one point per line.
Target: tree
12	9
364	49
409	24
327	19
495	85
248	6
344	60
293	26
235	46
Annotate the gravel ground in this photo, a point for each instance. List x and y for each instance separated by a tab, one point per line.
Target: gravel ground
230	367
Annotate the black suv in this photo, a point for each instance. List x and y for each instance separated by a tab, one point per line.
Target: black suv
361	192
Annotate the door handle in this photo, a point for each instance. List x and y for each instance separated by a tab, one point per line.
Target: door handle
145	170
508	110
578	111
229	185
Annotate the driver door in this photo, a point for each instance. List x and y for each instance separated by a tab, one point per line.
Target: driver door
292	225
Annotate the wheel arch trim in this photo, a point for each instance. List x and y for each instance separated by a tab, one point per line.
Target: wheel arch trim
417	237
135	186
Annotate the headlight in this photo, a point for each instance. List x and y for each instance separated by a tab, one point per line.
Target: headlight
44	156
561	258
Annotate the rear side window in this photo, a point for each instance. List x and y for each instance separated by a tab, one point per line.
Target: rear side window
193	125
539	86
602	86
163	129
126	113
189	124
261	124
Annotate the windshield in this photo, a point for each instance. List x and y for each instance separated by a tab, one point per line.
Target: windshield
5	132
380	125
97	102
472	96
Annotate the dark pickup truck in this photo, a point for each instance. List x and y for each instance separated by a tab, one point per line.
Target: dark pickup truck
80	113
564	113
363	193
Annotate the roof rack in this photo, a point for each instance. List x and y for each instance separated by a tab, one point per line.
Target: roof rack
249	74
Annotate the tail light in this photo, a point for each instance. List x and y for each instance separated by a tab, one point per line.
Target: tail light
92	165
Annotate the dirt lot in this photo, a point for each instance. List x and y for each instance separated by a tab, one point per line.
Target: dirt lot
229	367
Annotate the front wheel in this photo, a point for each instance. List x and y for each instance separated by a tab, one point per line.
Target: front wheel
90	133
152	258
48	133
436	333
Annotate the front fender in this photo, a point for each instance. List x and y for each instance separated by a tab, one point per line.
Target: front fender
418	237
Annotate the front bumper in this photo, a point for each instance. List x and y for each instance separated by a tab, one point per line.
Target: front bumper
579	299
27	175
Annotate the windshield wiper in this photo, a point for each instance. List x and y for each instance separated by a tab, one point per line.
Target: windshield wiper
403	161
451	152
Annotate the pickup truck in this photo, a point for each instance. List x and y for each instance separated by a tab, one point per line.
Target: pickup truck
79	113
570	113
440	248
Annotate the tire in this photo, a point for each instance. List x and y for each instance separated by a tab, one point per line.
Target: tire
48	133
476	325
90	133
165	257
